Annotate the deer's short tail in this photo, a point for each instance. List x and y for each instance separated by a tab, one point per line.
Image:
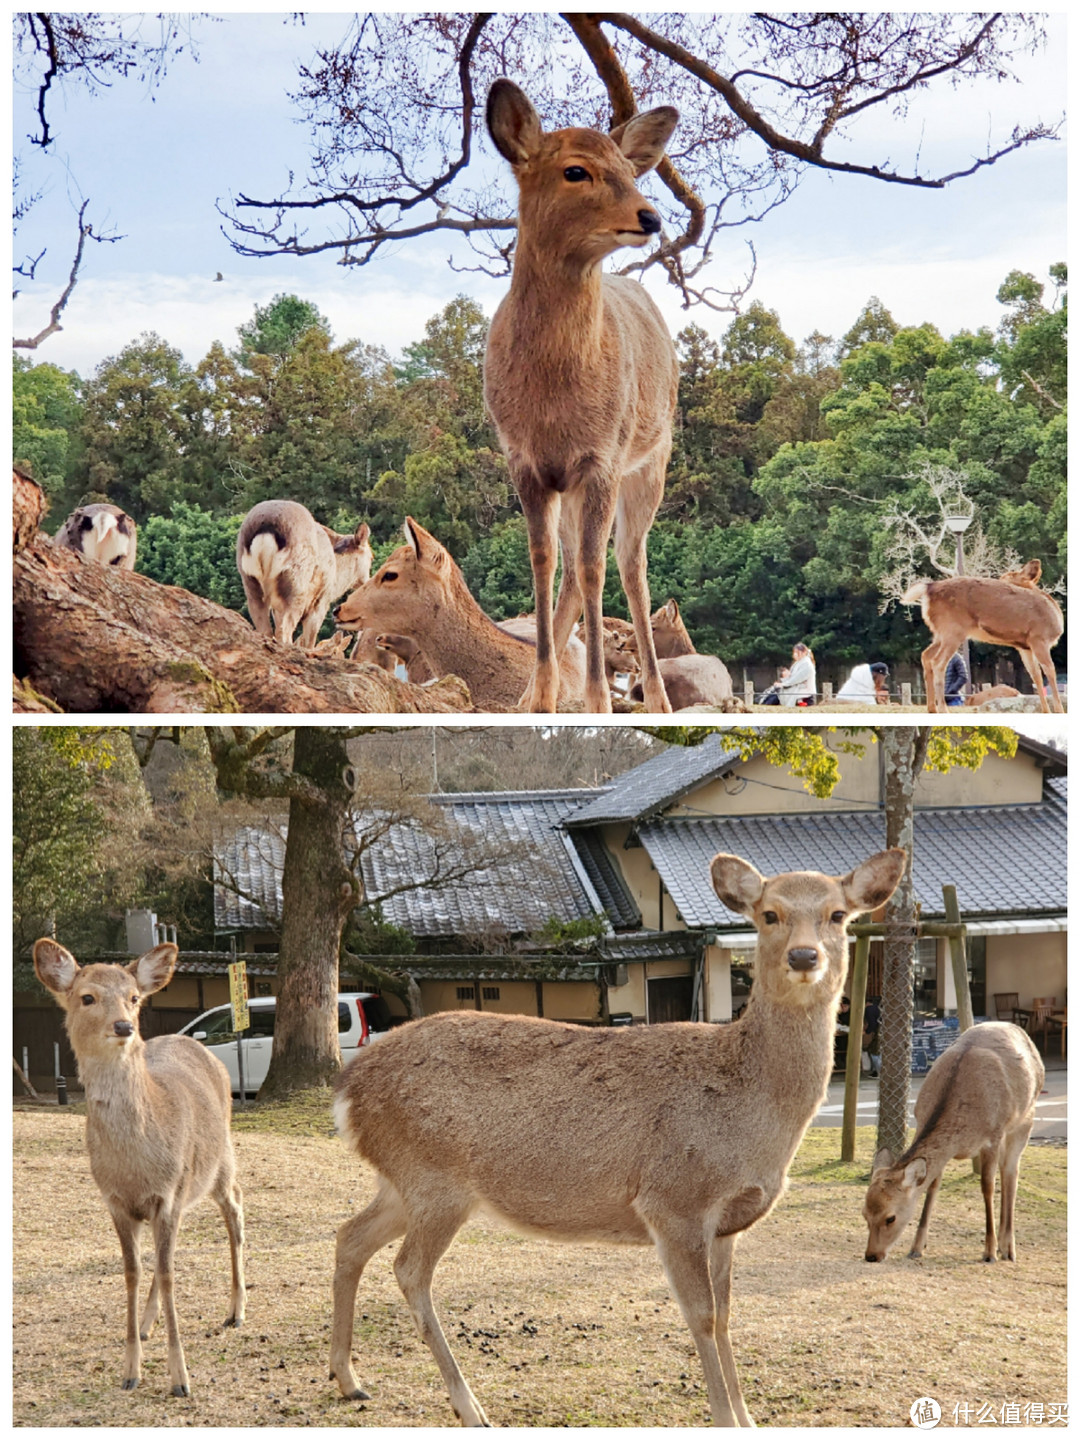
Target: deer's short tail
264	556
915	594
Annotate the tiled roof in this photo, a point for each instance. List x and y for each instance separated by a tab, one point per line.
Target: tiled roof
649	788
606	878
539	874
1003	860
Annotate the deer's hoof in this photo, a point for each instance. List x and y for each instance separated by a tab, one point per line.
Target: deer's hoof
130	1384
235	1321
182	1391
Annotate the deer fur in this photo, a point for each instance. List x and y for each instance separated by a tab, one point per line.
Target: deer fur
670	635
101	532
995	692
677	1135
293	568
1010	611
978	1099
691	680
421	593
580	377
157	1130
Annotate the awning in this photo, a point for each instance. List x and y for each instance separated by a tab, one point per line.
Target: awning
1028	925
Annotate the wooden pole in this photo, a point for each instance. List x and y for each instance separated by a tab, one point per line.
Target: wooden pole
860	966
958	954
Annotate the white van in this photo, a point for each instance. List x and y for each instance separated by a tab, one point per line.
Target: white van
362	1017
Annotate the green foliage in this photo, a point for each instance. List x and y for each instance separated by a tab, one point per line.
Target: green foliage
556	934
45	417
370	934
192	548
276	328
802	749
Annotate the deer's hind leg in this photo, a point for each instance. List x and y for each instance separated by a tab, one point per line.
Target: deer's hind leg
988	1168
229	1199
1012	1149
1032	668
357	1240
1041	651
434	1217
638	502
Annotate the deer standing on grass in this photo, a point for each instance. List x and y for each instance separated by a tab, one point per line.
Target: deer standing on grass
677	1135
293	568
978	1099
157	1130
580	378
1010	611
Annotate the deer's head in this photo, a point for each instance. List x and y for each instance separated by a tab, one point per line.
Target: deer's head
102	1002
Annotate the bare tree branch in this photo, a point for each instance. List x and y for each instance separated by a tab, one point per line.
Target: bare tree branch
86	232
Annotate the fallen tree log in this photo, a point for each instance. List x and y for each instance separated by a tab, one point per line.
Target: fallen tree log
93	638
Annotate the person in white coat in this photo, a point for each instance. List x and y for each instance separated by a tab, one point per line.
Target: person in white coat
860	688
798	685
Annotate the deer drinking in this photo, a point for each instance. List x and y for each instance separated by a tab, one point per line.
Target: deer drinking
677	1135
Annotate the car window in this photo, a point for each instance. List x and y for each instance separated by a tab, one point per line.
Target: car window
217	1025
262	1022
378	1013
344	1017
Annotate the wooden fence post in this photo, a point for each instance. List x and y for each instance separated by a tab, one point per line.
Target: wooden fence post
905	693
748	694
958	955
826	692
859	968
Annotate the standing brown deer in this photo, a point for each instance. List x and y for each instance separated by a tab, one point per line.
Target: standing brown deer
1010	611
677	1135
157	1130
979	1099
580	378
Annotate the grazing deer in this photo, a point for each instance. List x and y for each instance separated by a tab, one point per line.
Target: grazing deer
580	378
157	1130
1010	611
421	593
691	680
293	568
677	1135
101	532
978	1099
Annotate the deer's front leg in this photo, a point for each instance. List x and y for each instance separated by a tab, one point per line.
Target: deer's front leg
541	506
129	1230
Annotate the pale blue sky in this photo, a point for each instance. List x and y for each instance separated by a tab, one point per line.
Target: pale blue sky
154	165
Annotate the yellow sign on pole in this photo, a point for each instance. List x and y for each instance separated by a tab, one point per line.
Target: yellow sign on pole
238	995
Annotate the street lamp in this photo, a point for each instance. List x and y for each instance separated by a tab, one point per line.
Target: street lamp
958	517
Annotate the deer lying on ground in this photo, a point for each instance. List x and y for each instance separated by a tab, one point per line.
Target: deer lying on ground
580	377
691	680
978	1099
670	635
1010	611
157	1130
101	532
677	1135
293	568
421	593
995	692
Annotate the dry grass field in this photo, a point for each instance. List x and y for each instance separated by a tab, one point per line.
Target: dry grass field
547	1335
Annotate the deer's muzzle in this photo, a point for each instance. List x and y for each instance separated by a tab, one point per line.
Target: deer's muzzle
802	959
123	1028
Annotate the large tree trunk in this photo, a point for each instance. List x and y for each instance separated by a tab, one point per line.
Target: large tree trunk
93	638
318	894
904	748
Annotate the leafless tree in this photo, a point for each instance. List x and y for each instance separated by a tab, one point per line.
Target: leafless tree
396	107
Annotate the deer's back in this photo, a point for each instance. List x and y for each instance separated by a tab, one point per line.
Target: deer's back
984	1084
993	610
559	1128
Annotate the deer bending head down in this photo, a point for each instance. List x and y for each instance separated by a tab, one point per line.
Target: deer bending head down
979	1099
157	1130
293	568
1010	611
101	532
580	378
677	1135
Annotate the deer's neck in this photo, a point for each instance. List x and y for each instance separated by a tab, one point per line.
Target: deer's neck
460	639
118	1090
789	1049
558	309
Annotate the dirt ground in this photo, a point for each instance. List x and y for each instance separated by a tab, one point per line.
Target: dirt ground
547	1335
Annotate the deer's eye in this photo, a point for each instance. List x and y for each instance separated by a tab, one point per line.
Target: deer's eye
575	172
88	999
770	917
388	575
838	917
134	999
890	1220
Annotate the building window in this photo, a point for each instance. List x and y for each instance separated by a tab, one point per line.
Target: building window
466	992
262	987
490	992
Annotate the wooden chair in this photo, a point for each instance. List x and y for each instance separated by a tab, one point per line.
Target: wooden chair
1042	1006
1058	1023
1005	1004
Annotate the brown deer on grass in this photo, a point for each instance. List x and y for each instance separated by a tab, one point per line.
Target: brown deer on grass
157	1130
677	1135
1010	611
293	568
978	1099
580	378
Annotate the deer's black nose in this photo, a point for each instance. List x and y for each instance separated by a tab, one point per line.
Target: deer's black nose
123	1027
800	959
649	221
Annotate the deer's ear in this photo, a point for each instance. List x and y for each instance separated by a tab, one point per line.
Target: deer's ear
363	534
153	970
643	138
55	967
914	1173
424	545
737	883
512	122
871	883
672	611
882	1160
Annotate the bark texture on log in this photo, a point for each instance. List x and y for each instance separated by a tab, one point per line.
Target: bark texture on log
96	639
28	508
